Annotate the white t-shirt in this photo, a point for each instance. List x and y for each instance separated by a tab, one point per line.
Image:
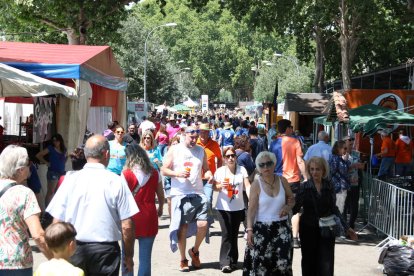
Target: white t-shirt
95	200
235	203
185	157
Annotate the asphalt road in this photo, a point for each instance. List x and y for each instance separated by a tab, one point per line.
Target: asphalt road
351	258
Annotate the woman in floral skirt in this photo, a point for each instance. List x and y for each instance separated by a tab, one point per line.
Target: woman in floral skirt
269	248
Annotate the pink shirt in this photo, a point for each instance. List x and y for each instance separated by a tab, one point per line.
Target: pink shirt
162	139
172	130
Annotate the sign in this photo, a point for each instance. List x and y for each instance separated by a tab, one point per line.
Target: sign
44	124
139	107
204	103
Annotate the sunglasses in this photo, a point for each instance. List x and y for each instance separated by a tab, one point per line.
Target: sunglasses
147	138
267	164
119	132
192	131
230	156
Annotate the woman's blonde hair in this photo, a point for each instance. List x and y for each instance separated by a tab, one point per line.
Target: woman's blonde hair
146	133
321	163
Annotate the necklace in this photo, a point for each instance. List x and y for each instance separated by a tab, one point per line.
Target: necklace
270	183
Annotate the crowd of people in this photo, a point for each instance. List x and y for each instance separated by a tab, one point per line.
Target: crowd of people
117	195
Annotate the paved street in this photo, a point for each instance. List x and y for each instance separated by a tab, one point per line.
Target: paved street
350	258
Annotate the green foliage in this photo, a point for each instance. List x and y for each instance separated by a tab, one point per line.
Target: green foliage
161	73
291	79
225	96
94	22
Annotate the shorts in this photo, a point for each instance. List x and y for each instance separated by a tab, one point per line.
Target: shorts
294	186
54	176
193	208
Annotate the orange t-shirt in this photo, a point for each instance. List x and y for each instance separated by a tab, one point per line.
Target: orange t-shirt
212	151
388	143
403	151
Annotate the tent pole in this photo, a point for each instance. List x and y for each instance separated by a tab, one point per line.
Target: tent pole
371	141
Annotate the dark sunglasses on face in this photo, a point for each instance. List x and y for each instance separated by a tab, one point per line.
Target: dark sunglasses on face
147	138
120	132
267	164
230	156
192	131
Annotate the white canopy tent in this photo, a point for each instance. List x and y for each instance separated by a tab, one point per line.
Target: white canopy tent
18	83
190	103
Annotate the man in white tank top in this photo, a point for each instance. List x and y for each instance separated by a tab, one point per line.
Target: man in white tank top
184	163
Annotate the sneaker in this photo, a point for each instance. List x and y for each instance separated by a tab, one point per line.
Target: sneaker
296	243
226	269
184	266
195	258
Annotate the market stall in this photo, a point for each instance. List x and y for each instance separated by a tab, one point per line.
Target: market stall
92	70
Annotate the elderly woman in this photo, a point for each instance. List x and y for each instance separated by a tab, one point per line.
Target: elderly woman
317	197
269	237
117	151
145	183
230	180
340	173
154	154
19	211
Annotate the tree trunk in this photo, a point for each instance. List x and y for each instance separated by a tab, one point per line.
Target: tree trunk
410	5
345	46
318	82
73	38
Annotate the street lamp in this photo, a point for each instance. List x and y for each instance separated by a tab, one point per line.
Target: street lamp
288	57
145	56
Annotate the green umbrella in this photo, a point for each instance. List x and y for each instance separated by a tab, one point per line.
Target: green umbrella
181	107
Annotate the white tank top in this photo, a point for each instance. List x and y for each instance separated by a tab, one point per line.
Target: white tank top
187	157
269	207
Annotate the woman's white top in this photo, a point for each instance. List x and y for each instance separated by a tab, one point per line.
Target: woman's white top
235	203
269	207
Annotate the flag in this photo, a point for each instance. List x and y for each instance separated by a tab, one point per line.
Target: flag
276	93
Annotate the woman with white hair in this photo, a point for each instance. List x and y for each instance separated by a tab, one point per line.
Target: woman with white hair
269	248
19	211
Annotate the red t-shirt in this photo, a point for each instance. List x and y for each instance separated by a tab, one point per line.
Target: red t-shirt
146	220
388	143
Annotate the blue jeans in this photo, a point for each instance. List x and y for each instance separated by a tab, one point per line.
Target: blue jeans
386	167
144	256
17	272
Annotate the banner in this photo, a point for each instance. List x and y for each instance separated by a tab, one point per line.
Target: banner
44	121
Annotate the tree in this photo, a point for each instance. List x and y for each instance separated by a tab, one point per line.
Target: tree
219	50
82	22
162	80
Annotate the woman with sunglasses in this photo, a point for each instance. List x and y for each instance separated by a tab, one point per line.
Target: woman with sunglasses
154	154
117	151
269	248
231	180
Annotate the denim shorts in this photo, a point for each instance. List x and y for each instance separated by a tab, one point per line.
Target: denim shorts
53	176
193	208
167	186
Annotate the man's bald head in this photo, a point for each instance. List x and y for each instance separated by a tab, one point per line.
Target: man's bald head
96	147
323	136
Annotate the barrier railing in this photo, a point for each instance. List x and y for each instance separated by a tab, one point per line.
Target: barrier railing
391	210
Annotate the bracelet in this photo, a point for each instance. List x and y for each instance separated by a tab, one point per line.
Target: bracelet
249	229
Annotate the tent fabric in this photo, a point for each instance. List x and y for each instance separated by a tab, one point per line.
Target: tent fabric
181	107
95	64
17	83
321	121
369	119
190	103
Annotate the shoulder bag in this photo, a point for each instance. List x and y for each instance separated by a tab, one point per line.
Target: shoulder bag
8	186
328	226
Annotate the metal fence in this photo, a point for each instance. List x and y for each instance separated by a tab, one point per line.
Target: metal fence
391	209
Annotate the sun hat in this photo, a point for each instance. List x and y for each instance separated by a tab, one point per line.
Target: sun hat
204	127
227	125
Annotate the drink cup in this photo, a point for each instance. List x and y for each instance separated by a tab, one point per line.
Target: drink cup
188	170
